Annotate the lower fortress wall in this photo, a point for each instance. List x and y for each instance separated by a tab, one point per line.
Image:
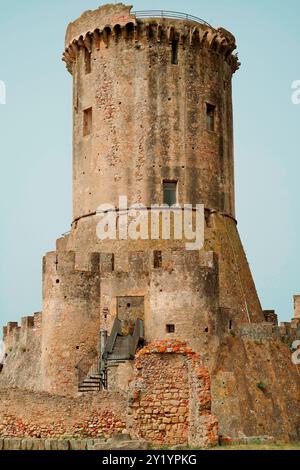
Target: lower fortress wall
172	398
160	406
243	383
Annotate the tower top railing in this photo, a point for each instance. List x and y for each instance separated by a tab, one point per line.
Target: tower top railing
175	15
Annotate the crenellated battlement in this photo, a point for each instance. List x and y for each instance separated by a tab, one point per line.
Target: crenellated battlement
112	23
60	262
13	333
149	261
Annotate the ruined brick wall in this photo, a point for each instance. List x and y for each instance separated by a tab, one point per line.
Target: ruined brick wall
170	397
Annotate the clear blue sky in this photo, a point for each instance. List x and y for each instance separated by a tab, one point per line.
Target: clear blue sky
35	140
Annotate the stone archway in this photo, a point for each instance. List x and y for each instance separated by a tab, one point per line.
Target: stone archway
170	399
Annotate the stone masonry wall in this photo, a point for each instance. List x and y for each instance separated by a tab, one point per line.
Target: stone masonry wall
71	319
255	386
186	282
25	414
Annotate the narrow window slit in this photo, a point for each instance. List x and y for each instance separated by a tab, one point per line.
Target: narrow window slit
174	58
157	259
87	121
87	61
170	193
210	117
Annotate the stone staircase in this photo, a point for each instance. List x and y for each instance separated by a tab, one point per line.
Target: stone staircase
118	350
94	380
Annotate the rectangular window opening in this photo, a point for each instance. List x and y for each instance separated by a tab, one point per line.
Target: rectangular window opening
112	262
174	59
170	192
157	259
170	328
87	121
87	61
210	117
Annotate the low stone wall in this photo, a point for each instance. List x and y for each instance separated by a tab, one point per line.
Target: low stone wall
25	414
122	442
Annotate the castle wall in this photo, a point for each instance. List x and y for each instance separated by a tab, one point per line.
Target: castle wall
236	284
22	347
183	292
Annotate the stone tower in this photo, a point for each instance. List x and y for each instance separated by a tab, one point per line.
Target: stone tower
153	121
152	105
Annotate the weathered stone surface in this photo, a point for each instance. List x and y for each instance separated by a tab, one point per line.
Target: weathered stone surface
78	444
16	444
120	445
47	444
142	91
99	415
63	444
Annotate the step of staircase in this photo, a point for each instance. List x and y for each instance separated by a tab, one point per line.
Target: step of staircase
115	363
92	383
120	351
83	390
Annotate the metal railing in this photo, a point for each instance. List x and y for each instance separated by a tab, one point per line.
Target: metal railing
174	15
137	336
85	365
116	330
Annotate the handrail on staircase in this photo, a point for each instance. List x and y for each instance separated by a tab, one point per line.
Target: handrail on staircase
85	364
93	366
116	330
137	336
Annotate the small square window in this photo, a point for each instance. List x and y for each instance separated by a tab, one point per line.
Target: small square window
170	192
170	328
87	121
210	117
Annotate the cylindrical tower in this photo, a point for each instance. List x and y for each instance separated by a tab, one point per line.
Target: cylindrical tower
152	102
153	121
